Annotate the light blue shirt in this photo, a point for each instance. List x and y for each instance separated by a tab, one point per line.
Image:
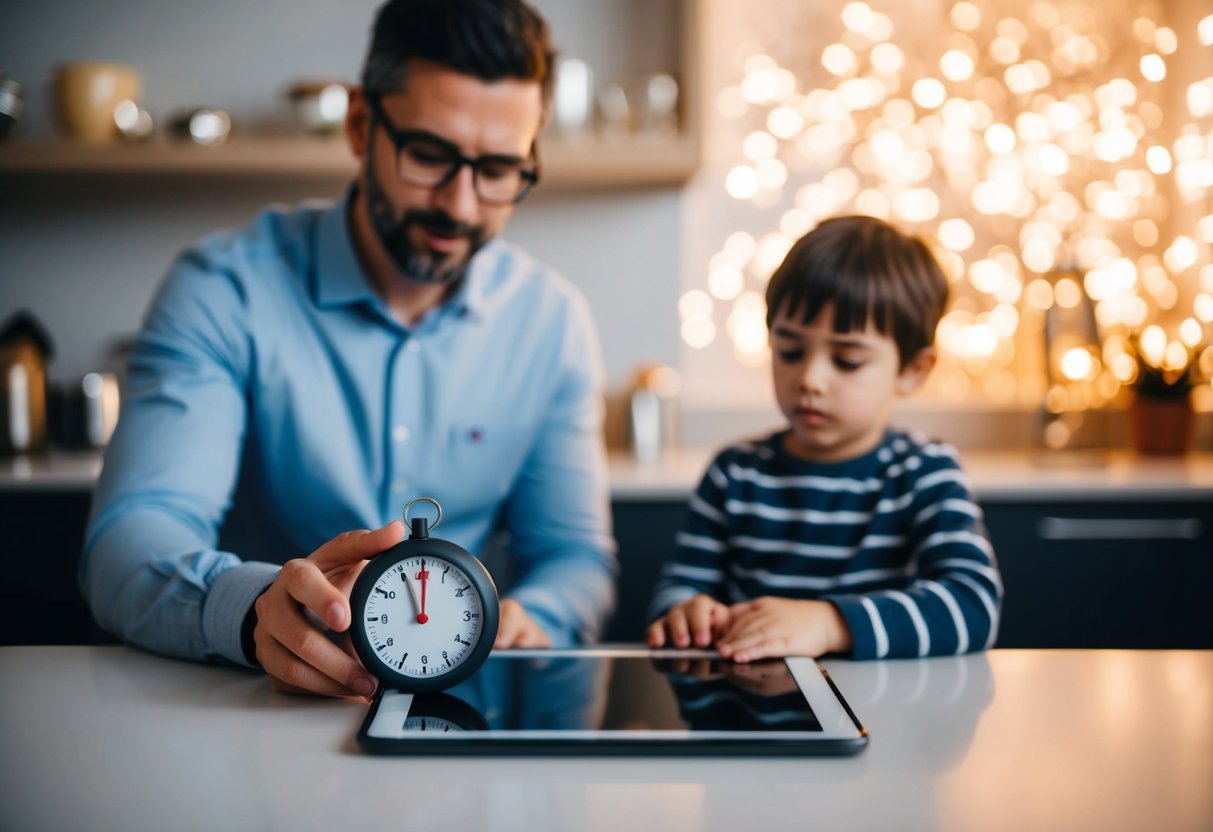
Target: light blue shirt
268	362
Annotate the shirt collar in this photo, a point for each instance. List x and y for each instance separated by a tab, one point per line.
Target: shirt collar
340	280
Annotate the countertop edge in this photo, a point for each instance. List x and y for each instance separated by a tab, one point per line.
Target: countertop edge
995	476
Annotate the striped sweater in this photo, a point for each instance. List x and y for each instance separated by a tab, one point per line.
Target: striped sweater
892	538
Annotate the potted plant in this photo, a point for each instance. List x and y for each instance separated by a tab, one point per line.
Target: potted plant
1161	415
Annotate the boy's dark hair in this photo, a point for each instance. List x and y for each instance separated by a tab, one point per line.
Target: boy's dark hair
487	39
868	270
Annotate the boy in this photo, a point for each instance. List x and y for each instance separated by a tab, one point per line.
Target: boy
837	534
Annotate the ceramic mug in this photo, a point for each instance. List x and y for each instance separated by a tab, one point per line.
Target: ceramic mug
86	94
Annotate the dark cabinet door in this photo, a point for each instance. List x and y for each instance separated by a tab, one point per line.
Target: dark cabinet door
645	533
40	601
1112	574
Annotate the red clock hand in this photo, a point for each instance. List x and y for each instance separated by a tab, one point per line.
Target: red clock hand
423	576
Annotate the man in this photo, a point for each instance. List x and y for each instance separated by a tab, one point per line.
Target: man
322	366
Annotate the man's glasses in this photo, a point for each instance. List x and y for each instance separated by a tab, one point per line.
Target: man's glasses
431	162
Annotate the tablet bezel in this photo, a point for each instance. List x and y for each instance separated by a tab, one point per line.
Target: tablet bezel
841	731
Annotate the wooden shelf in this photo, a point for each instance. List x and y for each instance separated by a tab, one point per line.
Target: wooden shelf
591	163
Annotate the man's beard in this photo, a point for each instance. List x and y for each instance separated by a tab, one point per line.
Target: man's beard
394	237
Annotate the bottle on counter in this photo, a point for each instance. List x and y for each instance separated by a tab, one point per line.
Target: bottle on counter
653	411
25	349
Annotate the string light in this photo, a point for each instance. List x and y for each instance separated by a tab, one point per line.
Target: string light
1020	139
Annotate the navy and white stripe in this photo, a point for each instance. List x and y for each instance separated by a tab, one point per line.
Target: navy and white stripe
893	539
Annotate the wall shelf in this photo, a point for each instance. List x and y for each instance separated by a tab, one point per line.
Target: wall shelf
567	163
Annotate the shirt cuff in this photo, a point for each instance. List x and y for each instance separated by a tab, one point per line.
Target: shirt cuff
864	639
227	603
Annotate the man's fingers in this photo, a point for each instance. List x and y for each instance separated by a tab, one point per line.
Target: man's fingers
295	649
508	625
357	545
306	584
532	636
292	674
518	629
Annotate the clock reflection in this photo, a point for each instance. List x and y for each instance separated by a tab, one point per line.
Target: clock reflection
442	713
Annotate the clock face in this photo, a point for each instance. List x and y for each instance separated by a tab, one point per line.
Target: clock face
431	723
423	618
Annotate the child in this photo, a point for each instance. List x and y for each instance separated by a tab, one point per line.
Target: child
837	534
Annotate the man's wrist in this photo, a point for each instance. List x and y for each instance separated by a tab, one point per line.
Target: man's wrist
248	629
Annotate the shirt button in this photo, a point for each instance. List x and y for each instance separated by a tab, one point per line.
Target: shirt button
400	433
399	485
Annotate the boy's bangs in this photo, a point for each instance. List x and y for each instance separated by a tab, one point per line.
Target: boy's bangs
849	288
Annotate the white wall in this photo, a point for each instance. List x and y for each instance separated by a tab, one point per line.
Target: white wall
84	253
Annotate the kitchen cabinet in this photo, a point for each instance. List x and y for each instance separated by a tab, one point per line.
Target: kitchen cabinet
40	600
1115	574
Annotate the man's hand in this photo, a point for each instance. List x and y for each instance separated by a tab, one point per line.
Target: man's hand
295	652
701	619
768	627
517	629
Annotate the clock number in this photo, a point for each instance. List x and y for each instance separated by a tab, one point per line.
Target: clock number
390	642
461	641
382	618
392	594
425	659
445	659
444	571
467	615
384	592
459	592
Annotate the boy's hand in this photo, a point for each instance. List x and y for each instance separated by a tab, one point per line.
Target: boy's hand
770	627
695	622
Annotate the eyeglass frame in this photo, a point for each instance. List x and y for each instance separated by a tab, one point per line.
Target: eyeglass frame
401	137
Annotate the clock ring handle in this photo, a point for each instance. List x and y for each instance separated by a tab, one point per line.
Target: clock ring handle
418	524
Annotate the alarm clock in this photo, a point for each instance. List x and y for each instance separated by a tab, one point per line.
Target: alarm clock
425	612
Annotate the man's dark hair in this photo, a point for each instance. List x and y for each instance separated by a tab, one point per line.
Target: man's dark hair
868	270
487	39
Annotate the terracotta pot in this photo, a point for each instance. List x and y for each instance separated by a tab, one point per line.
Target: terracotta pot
1161	426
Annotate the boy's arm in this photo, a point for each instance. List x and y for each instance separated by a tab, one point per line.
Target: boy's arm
952	605
697	566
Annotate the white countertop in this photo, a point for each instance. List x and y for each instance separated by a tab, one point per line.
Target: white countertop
108	738
995	475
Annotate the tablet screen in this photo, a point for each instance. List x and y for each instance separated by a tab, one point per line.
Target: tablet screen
671	701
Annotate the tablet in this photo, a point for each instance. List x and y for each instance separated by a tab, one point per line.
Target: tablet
612	700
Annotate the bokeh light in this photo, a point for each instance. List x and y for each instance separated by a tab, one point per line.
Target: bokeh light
1056	155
